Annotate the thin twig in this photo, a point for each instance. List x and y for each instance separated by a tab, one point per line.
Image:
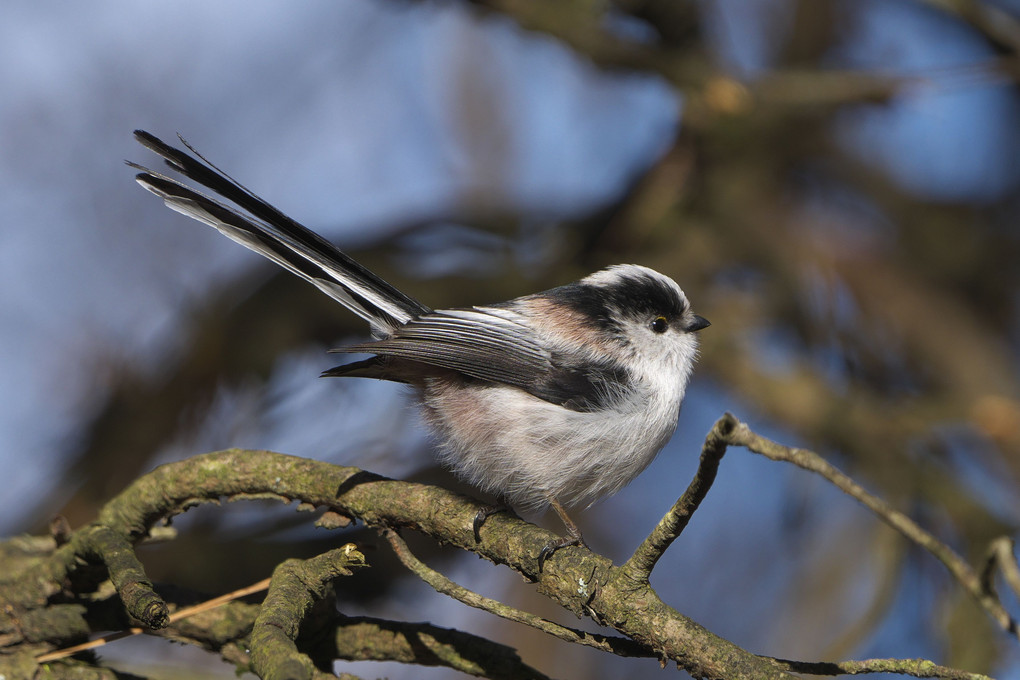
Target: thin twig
641	563
742	435
424	644
176	616
614	645
918	668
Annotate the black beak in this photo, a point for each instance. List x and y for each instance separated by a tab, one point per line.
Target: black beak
697	324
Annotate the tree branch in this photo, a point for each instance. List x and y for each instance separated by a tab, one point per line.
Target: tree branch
447	517
918	668
582	581
225	630
113	550
423	644
614	645
641	563
742	435
295	587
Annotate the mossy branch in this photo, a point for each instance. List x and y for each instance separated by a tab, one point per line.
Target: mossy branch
581	581
741	435
615	645
296	586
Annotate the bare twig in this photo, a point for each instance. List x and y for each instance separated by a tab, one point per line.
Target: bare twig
176	616
641	563
741	435
918	668
614	645
370	639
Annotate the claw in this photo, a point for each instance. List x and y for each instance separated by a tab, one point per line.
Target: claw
573	536
482	515
552	546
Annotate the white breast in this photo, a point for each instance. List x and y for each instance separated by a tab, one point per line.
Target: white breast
506	441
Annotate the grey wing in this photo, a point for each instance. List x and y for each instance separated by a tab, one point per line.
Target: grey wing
496	344
488	343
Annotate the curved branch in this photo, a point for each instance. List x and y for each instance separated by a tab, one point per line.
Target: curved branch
295	587
423	644
918	668
618	646
225	629
445	516
579	580
641	563
742	435
127	575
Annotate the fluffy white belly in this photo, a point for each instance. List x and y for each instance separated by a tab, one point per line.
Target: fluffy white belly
504	440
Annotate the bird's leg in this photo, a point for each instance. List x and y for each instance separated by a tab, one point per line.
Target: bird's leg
573	536
484	514
572	530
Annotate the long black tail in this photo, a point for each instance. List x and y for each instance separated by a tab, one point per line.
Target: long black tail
264	229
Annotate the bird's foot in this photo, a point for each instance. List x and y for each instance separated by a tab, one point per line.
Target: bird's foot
484	514
552	546
573	536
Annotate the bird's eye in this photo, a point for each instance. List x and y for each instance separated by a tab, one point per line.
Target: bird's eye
660	324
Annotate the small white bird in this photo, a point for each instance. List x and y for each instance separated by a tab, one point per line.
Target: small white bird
560	397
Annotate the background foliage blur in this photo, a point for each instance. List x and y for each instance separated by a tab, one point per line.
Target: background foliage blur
835	184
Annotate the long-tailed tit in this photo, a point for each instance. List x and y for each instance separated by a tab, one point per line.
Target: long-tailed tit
560	397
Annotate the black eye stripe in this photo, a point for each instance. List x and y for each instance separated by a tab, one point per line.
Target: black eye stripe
637	296
642	294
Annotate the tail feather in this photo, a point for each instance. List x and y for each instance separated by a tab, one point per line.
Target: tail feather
265	230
